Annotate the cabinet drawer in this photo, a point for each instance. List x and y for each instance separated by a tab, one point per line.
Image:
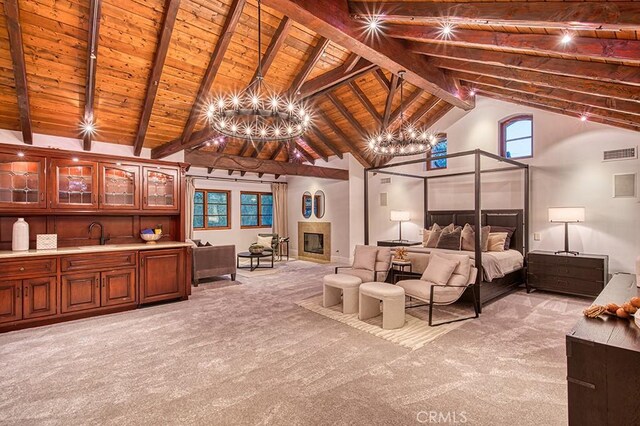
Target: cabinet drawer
581	262
565	284
98	261
590	274
22	268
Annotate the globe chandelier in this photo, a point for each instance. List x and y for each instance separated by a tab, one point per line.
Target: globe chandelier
258	113
408	139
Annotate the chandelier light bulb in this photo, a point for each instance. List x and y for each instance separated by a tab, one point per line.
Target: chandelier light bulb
446	29
566	38
583	117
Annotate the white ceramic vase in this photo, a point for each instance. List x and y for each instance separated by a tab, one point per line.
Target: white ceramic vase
20	240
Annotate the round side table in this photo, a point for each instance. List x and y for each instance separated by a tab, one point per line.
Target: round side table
401	265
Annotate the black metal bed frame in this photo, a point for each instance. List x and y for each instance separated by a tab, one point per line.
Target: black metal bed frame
477	211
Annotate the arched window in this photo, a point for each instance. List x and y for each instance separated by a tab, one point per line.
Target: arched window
516	136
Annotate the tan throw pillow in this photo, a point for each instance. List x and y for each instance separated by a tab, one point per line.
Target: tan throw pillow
434	235
449	240
439	269
364	257
425	237
496	241
469	238
265	241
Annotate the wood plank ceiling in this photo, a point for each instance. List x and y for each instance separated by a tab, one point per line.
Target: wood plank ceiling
158	63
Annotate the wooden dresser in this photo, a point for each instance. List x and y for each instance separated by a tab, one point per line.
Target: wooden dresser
581	275
603	363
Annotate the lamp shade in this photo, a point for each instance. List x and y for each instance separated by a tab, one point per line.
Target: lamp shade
566	214
399	216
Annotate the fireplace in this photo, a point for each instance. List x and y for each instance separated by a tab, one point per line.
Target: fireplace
313	243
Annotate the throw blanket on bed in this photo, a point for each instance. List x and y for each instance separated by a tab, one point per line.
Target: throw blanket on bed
495	264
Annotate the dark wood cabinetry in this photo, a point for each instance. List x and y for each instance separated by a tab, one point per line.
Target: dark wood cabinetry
28	298
162	275
119	186
74	184
603	362
582	275
10	301
118	287
160	188
22	181
80	292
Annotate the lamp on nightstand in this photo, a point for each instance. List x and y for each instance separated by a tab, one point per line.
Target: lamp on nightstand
399	216
566	215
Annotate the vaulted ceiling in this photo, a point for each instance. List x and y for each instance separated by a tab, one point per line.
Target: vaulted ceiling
144	70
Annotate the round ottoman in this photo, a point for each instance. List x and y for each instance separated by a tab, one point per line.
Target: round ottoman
336	285
392	298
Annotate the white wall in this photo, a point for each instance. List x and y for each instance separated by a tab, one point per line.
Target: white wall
566	170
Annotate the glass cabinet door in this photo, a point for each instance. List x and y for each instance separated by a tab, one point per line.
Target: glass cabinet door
160	188
119	186
74	184
22	181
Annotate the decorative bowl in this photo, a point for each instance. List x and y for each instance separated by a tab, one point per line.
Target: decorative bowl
256	249
151	238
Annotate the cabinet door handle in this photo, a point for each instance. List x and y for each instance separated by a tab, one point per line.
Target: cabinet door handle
18	293
26	292
97	283
21	268
103	282
42	196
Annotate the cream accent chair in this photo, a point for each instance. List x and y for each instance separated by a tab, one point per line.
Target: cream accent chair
372	269
463	277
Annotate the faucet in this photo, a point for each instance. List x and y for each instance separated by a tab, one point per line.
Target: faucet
103	240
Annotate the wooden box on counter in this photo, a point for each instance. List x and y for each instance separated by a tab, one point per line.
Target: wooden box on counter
63	192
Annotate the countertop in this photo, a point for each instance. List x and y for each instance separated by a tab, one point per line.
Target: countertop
64	251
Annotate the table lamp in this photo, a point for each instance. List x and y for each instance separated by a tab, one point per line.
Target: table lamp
400	216
566	215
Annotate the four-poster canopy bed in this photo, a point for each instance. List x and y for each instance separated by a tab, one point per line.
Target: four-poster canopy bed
486	288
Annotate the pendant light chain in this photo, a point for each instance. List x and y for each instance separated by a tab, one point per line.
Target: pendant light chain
260	76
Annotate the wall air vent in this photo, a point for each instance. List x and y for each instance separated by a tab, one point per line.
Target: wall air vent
620	154
385	180
624	185
383	199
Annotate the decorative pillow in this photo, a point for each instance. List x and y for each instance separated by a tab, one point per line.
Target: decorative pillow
450	239
496	241
208	244
364	257
509	230
425	237
265	241
434	235
469	237
439	269
200	243
193	243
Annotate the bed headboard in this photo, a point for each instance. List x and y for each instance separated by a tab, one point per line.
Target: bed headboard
511	218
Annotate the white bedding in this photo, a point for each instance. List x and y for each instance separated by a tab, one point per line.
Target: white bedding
495	264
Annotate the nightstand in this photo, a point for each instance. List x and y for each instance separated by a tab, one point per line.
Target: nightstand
396	243
581	275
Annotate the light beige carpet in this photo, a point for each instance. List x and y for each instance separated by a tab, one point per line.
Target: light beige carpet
248	355
413	335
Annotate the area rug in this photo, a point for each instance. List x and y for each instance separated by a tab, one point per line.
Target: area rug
414	335
278	267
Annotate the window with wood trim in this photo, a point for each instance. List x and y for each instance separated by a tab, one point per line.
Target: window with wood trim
211	209
256	209
516	136
438	150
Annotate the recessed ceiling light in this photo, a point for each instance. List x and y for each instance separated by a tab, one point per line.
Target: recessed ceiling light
583	117
472	92
446	29
566	38
75	159
20	154
373	24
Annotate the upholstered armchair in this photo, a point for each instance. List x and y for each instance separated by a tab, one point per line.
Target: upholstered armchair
213	261
370	263
443	282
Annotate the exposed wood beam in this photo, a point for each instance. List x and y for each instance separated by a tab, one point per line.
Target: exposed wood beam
433	118
90	78
389	104
348	116
382	79
209	170
245	147
326	142
242	173
230	172
597	48
394	120
222	146
316	149
333	79
577	110
417	116
304	153
558	109
228	29
258	149
351	61
171	11
274	46
277	151
12	14
613	73
353	149
332	20
308	66
254	165
276	177
620	91
581	15
629	107
366	103
260	175
176	145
